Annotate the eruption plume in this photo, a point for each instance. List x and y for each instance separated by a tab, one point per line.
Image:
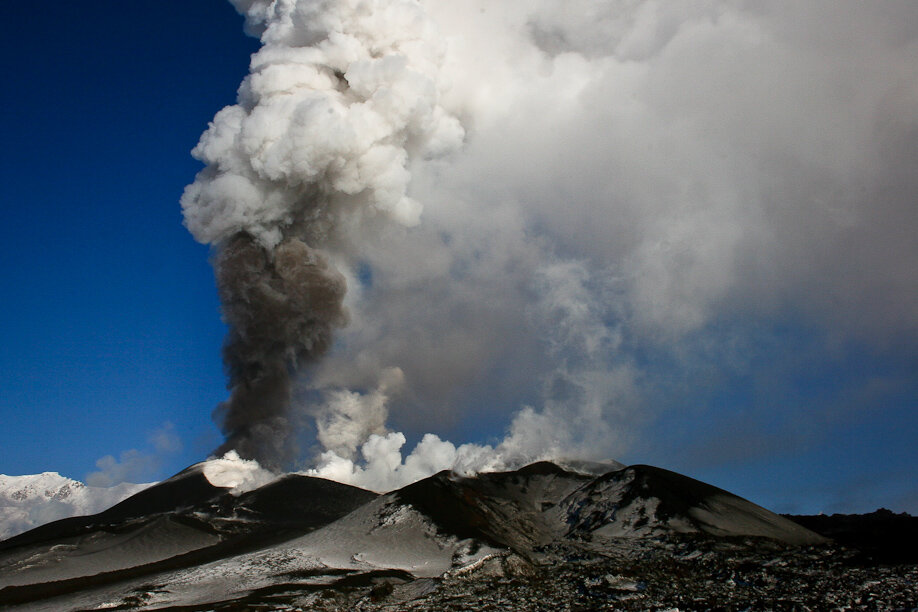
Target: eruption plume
281	307
339	97
631	208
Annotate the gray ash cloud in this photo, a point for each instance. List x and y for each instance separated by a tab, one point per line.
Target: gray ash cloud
282	307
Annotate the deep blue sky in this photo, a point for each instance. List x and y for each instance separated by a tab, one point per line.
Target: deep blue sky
110	323
109	320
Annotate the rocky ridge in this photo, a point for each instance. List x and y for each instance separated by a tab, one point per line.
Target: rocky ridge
542	537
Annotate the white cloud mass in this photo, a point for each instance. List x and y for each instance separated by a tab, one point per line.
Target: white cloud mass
135	466
571	186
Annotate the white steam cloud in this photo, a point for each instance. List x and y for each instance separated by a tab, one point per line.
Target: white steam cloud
526	199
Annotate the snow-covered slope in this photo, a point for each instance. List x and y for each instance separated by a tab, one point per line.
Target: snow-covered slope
381	538
186	521
384	537
29	501
506	509
202	545
101	551
642	500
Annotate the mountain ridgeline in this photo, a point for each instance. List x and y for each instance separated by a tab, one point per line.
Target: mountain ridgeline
187	543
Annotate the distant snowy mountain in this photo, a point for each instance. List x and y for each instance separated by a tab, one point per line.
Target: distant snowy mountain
29	501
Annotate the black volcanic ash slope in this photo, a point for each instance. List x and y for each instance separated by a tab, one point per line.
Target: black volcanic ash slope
302	532
542	502
301	501
188	522
502	509
642	499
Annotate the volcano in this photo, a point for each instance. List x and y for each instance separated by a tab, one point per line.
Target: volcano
545	534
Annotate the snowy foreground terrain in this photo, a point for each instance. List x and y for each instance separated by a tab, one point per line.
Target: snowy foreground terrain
539	538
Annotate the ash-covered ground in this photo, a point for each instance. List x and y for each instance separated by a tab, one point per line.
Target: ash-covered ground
538	538
678	573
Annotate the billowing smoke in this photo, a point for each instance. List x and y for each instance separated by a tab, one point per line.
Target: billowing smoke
338	98
555	221
281	306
